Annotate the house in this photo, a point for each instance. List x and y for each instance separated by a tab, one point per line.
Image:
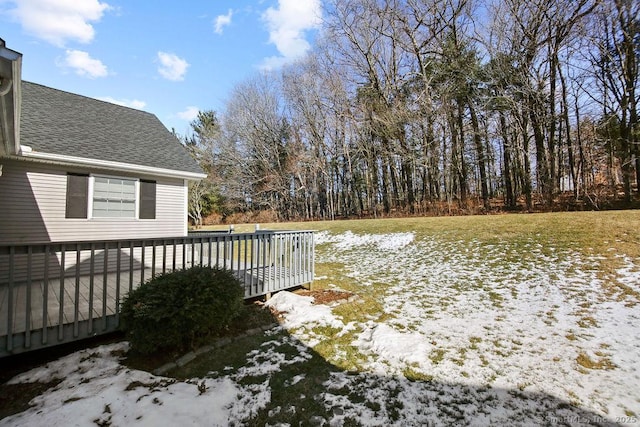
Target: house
76	168
93	202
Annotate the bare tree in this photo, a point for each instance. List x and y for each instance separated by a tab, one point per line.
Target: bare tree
615	61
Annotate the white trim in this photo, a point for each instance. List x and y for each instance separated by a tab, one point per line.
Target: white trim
185	211
89	197
136	192
109	165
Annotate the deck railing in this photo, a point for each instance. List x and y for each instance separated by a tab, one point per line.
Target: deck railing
54	293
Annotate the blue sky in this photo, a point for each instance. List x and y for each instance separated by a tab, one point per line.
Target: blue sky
170	58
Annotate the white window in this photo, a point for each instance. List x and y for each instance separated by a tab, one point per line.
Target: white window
114	197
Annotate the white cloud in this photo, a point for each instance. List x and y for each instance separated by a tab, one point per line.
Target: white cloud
273	62
131	103
58	21
222	21
190	114
172	67
84	65
287	25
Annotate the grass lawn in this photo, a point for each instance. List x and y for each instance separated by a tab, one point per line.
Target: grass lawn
539	279
506	319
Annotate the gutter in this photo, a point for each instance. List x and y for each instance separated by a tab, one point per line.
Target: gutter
10	79
60	159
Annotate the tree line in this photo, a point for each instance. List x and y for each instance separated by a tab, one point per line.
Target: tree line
434	107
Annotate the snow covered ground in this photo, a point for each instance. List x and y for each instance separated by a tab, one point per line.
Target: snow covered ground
518	333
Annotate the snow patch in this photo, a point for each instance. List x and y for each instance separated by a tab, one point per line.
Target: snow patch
300	311
349	240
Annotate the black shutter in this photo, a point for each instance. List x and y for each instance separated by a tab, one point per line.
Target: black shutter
147	199
77	194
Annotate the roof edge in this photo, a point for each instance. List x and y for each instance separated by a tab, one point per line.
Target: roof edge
61	159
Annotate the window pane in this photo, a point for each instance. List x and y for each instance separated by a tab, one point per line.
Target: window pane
100	194
100	205
128	206
114	197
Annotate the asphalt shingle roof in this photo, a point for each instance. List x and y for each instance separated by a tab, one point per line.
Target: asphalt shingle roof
58	122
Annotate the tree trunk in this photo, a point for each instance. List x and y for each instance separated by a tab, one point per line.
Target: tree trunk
509	195
477	139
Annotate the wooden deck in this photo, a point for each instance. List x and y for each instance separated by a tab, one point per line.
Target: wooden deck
30	311
54	293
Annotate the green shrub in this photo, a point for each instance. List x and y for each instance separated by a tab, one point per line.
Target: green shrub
176	309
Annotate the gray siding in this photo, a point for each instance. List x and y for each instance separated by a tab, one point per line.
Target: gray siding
32	207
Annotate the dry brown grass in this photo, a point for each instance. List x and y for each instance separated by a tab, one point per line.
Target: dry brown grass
603	362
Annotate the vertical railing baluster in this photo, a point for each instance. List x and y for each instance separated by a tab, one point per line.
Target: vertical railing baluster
27	331
224	253
257	260
303	256
298	257
193	252
12	251
218	252
309	257
310	260
237	254
184	254
164	256
279	264
63	254
276	263
143	247
265	260
255	250
290	259
231	250
76	294
131	256
105	285
175	256
313	257
269	263
245	261
118	265
92	270
286	244
282	260
153	258
45	295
